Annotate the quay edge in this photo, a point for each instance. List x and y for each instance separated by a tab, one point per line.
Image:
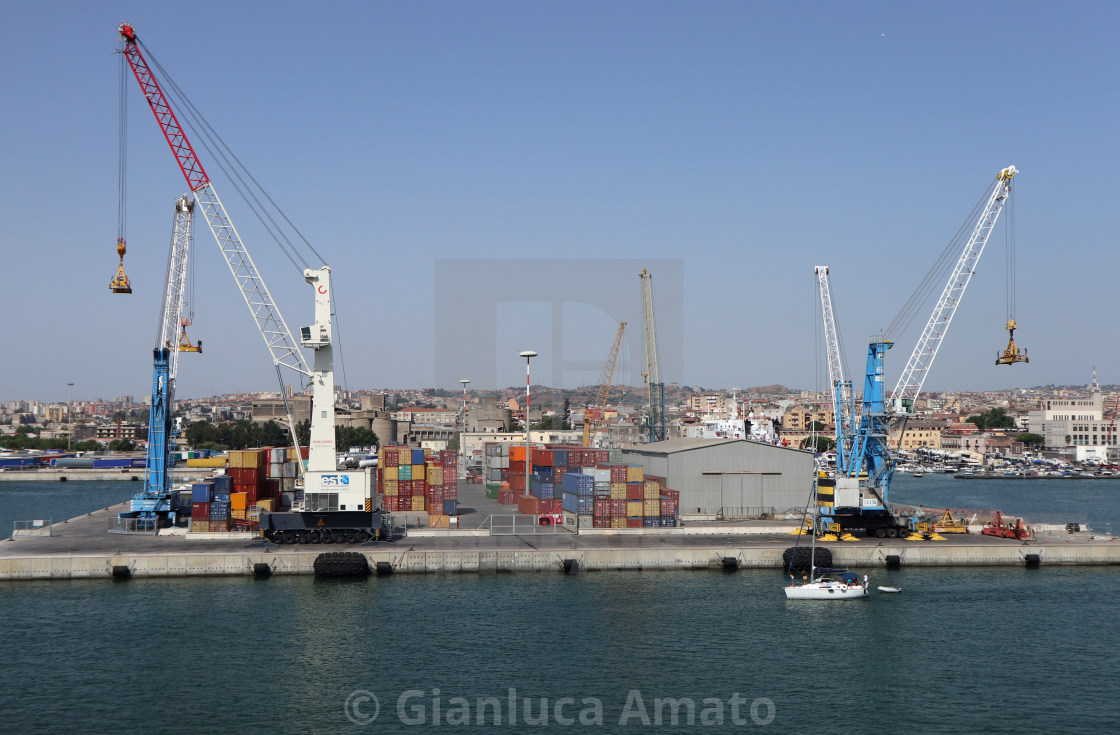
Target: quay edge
406	560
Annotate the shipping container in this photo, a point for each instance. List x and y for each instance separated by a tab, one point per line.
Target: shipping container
651	508
238	501
202	492
618	522
634	473
207	462
634	509
634	522
200	526
450	507
618	490
528	505
419	502
418	456
200	511
652	490
635	491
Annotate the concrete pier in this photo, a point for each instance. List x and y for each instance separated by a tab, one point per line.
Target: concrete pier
81	548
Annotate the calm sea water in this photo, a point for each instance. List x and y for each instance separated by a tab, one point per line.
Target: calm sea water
997	650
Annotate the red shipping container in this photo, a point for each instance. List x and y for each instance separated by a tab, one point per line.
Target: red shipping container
542	457
601	522
200	511
634	522
618	508
247	475
392	504
635	491
392	459
558	473
603	506
618	473
450	492
270	488
507	497
516	467
516	482
305	452
528	504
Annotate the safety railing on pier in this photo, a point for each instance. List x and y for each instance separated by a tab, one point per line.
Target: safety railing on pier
37	527
133	525
522	525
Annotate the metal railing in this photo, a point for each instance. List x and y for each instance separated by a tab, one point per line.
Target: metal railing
133	525
522	525
748	512
37	527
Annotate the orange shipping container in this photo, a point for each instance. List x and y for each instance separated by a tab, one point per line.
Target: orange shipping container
418	472
517	453
239	501
418	502
266	504
634	474
634	508
390	473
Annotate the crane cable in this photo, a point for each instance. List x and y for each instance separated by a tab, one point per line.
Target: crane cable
243	182
122	150
1009	256
937	274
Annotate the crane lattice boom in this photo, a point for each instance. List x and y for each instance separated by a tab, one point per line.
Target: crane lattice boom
171	316
843	398
653	370
925	351
604	389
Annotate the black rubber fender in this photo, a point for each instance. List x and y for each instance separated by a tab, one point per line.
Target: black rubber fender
341	564
384	569
1033	561
121	572
893	561
570	566
729	563
262	569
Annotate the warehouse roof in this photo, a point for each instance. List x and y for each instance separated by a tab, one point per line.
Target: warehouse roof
672	446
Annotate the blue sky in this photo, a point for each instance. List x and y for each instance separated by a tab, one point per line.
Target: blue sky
750	141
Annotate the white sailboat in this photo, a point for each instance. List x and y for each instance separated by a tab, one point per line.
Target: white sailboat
825	584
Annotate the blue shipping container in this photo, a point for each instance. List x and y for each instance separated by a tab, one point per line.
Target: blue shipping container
451	507
105	462
223	484
578	484
570	502
559	457
417	456
202	492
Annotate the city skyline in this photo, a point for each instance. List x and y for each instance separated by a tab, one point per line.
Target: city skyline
746	142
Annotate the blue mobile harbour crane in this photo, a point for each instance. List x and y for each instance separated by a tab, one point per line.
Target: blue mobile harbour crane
856	497
334	506
156	505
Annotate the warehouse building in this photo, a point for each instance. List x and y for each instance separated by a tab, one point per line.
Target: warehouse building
732	477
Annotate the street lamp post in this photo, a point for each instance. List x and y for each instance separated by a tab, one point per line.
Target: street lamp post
463	434
69	415
528	355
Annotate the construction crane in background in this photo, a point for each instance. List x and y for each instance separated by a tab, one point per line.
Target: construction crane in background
652	375
858	496
153	503
599	405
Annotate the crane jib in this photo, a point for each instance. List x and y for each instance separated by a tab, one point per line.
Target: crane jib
173	132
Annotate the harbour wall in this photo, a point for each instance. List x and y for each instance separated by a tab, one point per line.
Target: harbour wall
413	561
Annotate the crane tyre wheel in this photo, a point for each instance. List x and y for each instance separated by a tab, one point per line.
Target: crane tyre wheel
341	564
880	533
